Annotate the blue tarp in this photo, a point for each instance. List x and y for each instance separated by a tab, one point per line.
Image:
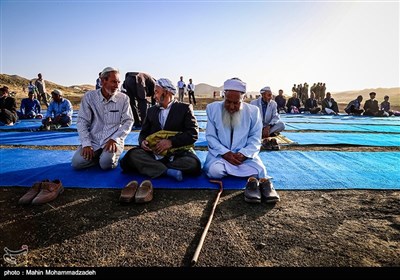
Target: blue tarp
291	170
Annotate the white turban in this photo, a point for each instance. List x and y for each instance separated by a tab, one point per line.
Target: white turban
264	89
235	84
167	85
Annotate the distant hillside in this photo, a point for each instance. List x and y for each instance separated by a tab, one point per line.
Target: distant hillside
205	90
347	96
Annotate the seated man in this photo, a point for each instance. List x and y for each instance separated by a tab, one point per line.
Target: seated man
104	121
59	112
166	140
293	105
385	106
8	108
329	105
354	106
30	107
272	124
233	134
281	102
371	107
312	104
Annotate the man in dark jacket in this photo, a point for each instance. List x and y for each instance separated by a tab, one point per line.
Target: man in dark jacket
171	156
8	108
138	86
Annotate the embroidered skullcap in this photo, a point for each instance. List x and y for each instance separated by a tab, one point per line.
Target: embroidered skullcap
108	69
56	92
167	85
264	89
235	84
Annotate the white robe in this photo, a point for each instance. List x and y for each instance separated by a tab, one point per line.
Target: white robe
246	137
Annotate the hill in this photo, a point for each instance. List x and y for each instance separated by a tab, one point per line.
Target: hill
74	93
346	96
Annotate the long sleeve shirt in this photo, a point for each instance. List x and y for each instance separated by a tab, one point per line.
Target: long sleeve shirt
30	105
64	107
100	120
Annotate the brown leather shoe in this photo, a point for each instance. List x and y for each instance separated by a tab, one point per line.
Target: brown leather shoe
268	191
128	192
144	192
48	192
32	192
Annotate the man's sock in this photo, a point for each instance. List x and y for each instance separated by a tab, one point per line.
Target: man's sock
177	174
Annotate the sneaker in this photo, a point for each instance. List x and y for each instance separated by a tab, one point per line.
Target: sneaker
268	191
49	191
31	193
128	192
144	192
252	192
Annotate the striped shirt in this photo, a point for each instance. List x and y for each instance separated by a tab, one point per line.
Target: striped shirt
100	120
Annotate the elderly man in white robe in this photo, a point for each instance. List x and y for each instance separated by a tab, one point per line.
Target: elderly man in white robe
233	134
272	124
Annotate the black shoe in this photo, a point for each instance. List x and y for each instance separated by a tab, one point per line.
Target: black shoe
252	193
268	191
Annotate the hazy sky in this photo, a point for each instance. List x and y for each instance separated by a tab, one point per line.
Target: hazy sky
346	44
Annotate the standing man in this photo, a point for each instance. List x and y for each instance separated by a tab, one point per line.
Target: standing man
181	89
104	121
166	139
191	88
233	134
98	81
272	124
41	86
138	86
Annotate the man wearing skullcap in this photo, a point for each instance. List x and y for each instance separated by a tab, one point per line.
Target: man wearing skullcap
104	121
272	124
233	134
166	140
59	112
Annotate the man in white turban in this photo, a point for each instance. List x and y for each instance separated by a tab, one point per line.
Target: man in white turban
272	124
233	134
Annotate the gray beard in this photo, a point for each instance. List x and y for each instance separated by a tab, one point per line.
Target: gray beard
231	120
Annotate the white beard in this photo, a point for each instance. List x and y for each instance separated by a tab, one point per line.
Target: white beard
231	120
111	93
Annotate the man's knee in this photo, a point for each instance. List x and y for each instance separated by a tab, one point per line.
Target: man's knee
216	171
78	162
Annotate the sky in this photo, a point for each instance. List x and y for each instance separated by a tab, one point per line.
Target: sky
349	45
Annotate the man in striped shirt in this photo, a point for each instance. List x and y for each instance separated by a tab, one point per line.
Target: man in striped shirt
104	121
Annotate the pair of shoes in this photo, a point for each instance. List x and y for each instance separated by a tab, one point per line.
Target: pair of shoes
260	189
274	144
141	194
42	192
266	144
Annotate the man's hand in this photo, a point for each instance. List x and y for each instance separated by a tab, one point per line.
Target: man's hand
144	146
87	153
111	146
57	119
240	157
231	158
162	145
265	132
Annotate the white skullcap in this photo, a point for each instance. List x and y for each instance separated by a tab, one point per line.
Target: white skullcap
264	89
167	85
56	92
235	84
108	69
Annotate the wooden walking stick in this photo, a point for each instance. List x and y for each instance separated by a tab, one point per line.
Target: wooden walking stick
203	236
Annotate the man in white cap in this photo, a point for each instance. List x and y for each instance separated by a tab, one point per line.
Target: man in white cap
167	137
233	134
272	124
104	121
59	113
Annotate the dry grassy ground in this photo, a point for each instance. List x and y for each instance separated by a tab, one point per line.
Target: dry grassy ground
89	227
